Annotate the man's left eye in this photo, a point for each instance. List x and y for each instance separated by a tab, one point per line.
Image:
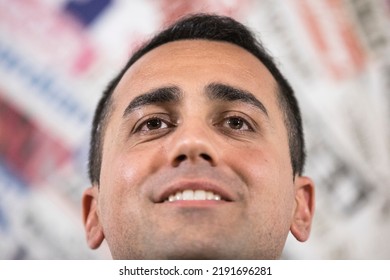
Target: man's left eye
237	123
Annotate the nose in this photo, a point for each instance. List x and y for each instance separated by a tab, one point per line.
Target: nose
194	145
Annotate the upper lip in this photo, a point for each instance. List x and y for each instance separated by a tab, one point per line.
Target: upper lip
164	194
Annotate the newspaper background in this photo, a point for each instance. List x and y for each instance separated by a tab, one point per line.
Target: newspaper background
57	56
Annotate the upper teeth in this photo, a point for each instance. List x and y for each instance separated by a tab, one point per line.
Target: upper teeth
194	195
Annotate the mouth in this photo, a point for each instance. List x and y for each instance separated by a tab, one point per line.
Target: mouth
193	195
195	191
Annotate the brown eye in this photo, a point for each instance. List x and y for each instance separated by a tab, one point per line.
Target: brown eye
153	124
237	123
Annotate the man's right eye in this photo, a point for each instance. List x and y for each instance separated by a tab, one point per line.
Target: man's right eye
153	123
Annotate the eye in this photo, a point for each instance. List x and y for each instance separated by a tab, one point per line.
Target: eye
153	123
237	123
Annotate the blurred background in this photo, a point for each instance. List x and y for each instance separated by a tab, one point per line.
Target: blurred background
56	57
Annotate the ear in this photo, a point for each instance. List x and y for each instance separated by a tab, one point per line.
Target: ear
304	208
93	228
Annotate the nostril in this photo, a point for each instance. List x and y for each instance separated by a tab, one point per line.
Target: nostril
206	157
181	158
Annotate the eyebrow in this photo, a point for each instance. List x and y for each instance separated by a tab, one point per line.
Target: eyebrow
155	96
224	92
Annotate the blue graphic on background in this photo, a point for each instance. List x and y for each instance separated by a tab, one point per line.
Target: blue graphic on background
46	86
86	11
8	180
3	220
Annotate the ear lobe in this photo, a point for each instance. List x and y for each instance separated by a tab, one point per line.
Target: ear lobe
93	228
304	208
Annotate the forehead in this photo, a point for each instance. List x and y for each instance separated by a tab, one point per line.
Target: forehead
194	64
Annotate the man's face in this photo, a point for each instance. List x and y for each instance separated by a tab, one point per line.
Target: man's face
196	162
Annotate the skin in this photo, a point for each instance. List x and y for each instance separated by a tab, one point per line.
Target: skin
232	147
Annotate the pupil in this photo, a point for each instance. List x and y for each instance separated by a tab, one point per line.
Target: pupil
154	124
235	123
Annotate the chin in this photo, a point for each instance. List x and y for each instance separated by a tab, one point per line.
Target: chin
200	255
204	251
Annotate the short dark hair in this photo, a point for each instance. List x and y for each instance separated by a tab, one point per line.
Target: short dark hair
212	28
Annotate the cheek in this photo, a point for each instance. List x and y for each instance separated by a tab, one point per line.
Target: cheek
270	193
121	196
255	166
267	173
124	172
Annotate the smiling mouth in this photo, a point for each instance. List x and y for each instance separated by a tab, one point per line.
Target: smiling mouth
197	195
187	192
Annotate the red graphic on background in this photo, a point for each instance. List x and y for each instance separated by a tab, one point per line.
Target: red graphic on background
352	46
388	7
53	35
29	151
